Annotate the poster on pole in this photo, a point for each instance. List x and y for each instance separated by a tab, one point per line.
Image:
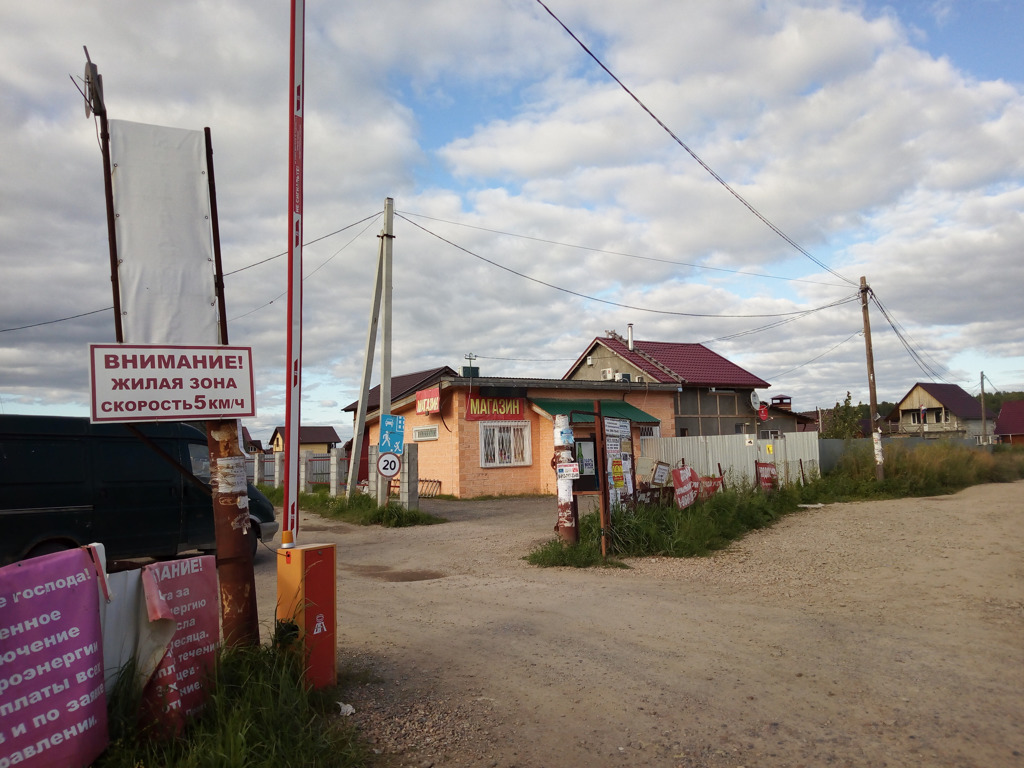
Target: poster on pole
147	382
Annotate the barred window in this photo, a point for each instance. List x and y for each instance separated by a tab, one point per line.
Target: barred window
505	444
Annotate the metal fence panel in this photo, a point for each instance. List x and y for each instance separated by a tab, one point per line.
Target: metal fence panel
795	455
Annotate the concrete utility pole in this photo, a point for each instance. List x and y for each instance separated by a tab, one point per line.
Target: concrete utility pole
383	276
565	526
875	436
984	421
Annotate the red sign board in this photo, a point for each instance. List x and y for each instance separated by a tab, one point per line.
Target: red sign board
495	408
767	475
686	484
184	591
428	400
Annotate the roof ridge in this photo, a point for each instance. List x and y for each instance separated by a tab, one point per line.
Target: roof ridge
656	363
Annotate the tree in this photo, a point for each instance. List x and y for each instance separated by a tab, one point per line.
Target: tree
841	422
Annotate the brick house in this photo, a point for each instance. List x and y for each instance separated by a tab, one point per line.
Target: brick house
495	435
713	395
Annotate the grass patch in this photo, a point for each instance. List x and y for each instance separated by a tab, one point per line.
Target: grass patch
259	715
932	469
361	509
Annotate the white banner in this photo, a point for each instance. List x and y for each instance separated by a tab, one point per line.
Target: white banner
137	382
163	225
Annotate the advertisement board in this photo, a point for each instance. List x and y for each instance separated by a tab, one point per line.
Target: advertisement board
53	707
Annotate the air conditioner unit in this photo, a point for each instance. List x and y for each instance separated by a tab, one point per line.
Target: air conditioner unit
607	374
590	359
622	377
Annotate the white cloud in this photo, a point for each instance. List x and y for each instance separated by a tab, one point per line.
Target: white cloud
878	158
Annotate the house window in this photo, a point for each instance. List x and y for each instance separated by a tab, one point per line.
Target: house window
915	417
505	444
652	431
769	434
684	432
739	427
419	434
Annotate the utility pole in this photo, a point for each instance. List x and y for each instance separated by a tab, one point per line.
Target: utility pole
875	435
984	421
381	294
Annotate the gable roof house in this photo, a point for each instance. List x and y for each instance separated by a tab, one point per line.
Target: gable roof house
479	435
1010	424
312	439
713	394
931	411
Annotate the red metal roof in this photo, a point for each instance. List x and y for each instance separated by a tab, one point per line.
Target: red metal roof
695	364
1011	418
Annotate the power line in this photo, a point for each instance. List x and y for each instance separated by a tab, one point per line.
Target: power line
914	354
226	274
818	357
618	253
58	320
694	155
594	298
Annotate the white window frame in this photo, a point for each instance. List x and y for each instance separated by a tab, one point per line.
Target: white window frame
422	434
653	430
494	428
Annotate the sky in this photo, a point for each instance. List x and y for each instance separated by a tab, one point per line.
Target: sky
538	204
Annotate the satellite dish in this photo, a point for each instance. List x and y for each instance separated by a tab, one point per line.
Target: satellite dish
755	401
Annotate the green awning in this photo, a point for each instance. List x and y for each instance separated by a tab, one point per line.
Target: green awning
616	409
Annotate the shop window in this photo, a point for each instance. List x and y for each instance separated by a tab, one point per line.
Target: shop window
652	431
505	444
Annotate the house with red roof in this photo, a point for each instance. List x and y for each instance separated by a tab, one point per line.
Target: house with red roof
1010	424
932	410
714	396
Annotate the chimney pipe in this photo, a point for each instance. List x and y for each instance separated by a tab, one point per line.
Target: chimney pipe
629	336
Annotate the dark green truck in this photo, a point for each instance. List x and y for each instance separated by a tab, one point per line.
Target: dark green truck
65	482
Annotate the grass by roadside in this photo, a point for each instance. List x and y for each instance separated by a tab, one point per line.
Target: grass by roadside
361	509
657	530
259	715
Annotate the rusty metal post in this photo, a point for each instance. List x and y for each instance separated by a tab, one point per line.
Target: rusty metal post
238	613
566	526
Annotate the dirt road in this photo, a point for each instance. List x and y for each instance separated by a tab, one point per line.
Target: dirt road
866	634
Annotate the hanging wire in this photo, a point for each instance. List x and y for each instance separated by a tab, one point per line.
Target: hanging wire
594	298
620	253
694	155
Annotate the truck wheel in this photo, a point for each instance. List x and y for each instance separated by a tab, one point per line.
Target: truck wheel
48	548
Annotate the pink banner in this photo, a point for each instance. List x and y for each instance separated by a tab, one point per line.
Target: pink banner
53	710
186	592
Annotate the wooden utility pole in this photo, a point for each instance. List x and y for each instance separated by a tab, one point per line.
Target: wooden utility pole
873	396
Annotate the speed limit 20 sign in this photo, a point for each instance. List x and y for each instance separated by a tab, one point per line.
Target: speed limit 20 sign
389	464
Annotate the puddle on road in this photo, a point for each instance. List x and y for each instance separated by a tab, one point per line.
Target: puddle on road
386	573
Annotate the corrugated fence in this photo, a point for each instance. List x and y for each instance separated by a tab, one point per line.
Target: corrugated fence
795	455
